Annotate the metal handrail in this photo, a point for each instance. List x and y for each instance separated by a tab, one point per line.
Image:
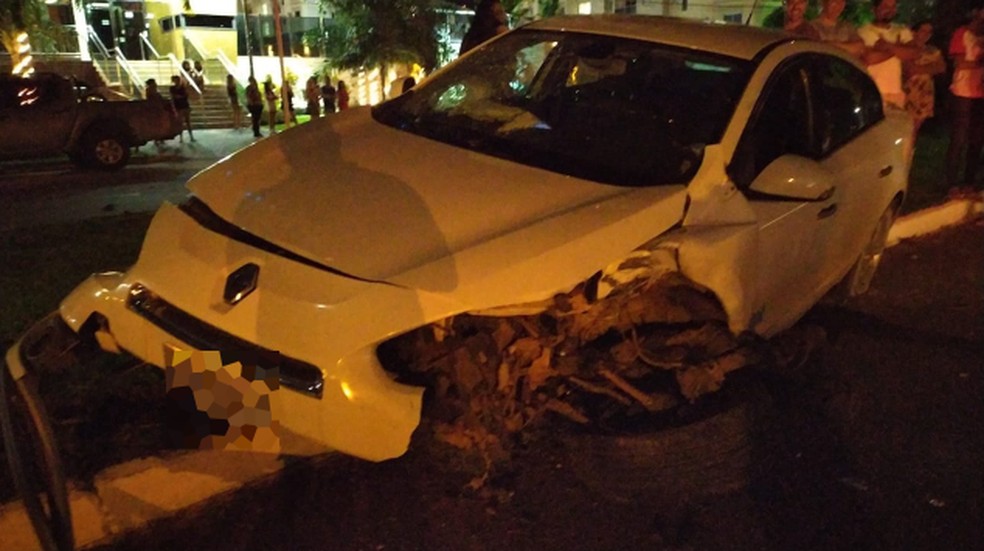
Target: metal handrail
228	66
94	38
184	74
145	43
102	60
196	47
135	82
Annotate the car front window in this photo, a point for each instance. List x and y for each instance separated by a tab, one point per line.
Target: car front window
609	109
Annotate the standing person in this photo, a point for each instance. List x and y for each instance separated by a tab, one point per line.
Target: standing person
836	31
888	46
794	20
153	95
343	96
328	96
291	117
254	102
270	94
490	20
233	92
919	88
179	99
313	96
199	76
966	100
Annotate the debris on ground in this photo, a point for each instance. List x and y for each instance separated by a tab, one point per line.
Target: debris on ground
647	347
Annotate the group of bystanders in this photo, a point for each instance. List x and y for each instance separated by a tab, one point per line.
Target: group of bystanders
903	65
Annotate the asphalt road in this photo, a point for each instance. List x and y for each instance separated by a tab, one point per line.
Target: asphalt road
52	190
877	443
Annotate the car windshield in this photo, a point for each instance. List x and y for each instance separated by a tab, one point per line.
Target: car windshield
609	109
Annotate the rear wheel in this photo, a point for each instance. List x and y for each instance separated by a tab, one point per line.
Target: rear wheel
106	148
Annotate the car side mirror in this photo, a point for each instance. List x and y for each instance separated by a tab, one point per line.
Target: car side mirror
793	177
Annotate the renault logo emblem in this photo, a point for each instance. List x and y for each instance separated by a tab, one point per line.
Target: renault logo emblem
241	283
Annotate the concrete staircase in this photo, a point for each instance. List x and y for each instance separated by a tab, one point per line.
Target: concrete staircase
211	109
159	70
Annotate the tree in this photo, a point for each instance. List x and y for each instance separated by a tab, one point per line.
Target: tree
379	33
30	16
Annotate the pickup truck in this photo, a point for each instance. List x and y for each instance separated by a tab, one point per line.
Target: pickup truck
47	114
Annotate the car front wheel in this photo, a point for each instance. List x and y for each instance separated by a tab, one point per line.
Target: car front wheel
859	279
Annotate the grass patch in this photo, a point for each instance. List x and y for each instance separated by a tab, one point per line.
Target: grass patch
41	265
927	186
104	412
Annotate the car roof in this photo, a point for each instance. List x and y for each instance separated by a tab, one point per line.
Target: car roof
726	39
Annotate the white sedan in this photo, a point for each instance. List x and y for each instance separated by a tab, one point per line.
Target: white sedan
562	163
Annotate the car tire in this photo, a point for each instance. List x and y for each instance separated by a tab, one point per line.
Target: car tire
106	148
859	278
715	455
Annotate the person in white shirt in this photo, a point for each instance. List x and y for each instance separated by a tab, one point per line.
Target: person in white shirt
887	46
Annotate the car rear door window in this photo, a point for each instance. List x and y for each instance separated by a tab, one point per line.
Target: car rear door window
847	102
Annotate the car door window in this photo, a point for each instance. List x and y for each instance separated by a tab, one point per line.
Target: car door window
782	124
848	102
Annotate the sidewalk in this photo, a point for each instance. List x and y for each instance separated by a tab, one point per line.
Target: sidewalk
209	144
127	497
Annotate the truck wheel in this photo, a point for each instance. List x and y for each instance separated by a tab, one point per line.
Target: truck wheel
106	148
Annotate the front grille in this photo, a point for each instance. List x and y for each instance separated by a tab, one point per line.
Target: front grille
294	374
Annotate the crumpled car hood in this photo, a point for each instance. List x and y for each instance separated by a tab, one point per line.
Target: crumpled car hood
376	202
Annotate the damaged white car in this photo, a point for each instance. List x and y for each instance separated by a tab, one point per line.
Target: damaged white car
564	188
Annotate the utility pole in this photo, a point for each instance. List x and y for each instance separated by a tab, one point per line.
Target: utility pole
284	102
249	38
81	29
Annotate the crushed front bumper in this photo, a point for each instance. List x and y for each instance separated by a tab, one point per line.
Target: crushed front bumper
320	329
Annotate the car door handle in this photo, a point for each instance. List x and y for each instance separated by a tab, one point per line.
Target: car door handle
885	171
827	212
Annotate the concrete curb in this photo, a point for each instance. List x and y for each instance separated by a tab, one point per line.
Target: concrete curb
131	495
935	218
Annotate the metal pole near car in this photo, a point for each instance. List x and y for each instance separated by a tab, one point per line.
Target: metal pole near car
32	455
284	102
249	38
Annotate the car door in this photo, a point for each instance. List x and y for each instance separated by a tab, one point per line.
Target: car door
858	149
778	153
